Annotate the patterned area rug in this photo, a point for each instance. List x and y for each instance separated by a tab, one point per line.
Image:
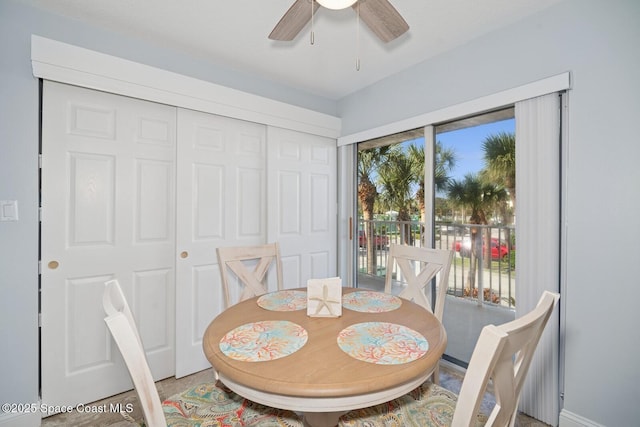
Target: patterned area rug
209	405
427	406
453	381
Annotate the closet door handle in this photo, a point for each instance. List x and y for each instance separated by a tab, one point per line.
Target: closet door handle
184	254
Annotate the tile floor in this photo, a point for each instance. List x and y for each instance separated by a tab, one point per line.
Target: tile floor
449	378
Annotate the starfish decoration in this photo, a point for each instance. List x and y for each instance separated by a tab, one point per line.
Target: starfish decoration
324	301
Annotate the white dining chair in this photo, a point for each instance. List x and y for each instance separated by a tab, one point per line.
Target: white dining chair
249	265
418	266
502	354
208	403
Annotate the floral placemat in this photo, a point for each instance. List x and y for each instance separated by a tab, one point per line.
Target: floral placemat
263	341
382	343
284	301
370	301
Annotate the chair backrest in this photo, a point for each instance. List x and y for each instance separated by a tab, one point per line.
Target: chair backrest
114	301
427	263
250	265
122	326
503	354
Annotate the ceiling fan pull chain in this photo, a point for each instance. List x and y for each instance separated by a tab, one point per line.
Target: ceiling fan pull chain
312	35
358	36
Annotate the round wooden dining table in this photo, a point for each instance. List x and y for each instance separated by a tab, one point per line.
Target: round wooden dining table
326	370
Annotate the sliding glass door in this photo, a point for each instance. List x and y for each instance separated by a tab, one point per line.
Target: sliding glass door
390	172
453	194
508	244
474	216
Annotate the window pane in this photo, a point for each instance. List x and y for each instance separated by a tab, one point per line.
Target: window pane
390	178
473	177
474	216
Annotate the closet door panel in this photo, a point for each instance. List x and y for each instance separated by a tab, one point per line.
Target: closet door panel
108	212
221	202
302	204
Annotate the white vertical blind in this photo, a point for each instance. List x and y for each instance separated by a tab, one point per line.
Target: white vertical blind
538	231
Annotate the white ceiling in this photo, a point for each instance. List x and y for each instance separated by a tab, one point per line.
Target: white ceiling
233	33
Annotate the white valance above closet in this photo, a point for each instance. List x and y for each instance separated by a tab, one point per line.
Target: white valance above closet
65	63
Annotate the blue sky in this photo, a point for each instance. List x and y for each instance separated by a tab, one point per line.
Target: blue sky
467	144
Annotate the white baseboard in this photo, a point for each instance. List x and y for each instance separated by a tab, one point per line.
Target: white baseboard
569	419
20	420
452	367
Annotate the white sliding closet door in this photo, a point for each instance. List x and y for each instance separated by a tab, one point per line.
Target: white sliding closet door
221	202
145	193
302	203
108	211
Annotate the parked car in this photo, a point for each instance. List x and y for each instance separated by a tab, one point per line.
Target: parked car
498	250
381	241
460	243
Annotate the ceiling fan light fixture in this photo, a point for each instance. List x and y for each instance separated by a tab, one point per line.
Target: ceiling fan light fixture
336	4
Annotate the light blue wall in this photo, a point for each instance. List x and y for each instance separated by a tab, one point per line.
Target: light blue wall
18	240
599	43
596	40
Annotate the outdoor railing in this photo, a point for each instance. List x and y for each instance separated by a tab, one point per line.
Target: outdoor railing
493	276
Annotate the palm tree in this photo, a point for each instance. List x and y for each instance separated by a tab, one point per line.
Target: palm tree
368	161
445	160
500	164
479	197
396	176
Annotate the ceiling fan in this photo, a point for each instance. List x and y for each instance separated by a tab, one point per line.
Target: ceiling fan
379	15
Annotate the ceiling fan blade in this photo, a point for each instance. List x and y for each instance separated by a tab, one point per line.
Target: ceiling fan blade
382	18
293	21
